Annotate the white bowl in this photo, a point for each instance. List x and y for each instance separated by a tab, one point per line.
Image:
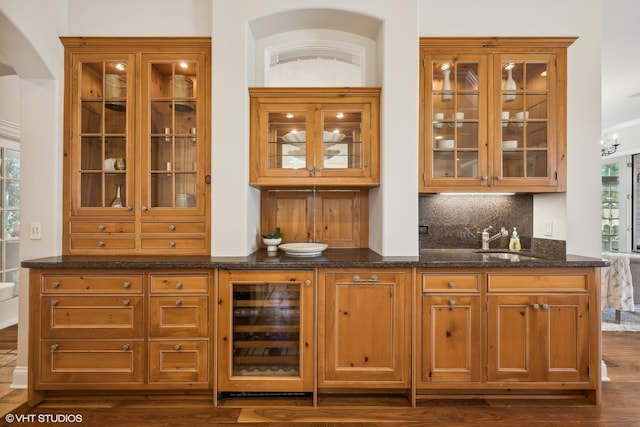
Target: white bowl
445	143
510	144
303	249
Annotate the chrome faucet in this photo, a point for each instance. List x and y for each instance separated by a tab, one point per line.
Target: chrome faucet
486	238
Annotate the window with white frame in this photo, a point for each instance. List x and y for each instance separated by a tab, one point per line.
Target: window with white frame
10	213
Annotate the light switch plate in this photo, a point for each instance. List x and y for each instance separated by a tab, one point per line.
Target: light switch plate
548	228
35	231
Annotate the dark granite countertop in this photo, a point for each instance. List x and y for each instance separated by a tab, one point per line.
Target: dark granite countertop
346	258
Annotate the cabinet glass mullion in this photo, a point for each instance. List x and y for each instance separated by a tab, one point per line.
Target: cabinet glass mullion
455	101
173	134
266	329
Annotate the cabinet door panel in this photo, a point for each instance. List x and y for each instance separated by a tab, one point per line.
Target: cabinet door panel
178	316
451	347
179	362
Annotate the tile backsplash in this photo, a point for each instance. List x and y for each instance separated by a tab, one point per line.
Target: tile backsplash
456	222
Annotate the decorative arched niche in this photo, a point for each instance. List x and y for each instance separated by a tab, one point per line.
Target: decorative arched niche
315	47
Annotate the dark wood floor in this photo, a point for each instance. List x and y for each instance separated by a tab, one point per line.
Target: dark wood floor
620	407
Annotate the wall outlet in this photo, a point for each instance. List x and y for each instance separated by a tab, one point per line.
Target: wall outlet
548	228
423	229
35	231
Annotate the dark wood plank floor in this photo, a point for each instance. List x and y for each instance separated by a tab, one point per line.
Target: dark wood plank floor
620	407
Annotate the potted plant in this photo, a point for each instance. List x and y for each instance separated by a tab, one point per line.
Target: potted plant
272	240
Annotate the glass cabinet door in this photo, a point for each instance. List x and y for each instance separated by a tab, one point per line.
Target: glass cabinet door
287	138
455	99
175	146
345	132
526	105
103	128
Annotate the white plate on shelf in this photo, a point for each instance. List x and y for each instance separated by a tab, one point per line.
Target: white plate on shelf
510	144
303	249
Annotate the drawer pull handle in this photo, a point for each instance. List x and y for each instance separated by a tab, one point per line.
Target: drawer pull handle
545	306
307	282
452	302
172	244
54	302
54	347
373	278
125	347
101	244
172	227
55	285
144	208
535	306
125	302
101	227
177	347
126	285
452	284
178	285
178	302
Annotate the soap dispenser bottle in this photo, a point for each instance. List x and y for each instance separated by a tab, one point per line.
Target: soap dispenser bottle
514	242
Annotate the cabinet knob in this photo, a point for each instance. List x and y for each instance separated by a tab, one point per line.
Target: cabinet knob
307	282
54	302
172	227
55	285
54	347
125	347
102	244
452	302
126	285
310	168
545	306
101	227
500	177
452	284
178	285
177	347
178	302
485	178
125	302
535	306
172	244
319	168
144	208
129	208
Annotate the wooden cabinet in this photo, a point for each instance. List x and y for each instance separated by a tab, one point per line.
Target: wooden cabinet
266	331
314	137
449	328
137	146
179	329
120	330
335	217
364	329
538	328
493	114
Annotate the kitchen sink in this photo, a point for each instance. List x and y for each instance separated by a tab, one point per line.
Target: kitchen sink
509	256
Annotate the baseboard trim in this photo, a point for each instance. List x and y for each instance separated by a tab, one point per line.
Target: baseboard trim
20	377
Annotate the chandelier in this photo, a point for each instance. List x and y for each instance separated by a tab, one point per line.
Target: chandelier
608	148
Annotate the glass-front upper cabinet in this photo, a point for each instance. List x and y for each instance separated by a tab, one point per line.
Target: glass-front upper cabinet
137	156
314	137
527	128
104	134
493	114
459	109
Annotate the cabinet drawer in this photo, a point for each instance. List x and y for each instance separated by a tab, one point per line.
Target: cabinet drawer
450	283
173	227
197	283
172	244
103	227
102	244
179	361
179	316
90	317
534	282
91	284
83	362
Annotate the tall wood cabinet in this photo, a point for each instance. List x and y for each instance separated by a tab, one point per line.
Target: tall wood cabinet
315	137
493	114
137	145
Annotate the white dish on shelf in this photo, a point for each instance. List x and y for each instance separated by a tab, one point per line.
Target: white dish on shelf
510	144
295	136
303	249
445	143
332	136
